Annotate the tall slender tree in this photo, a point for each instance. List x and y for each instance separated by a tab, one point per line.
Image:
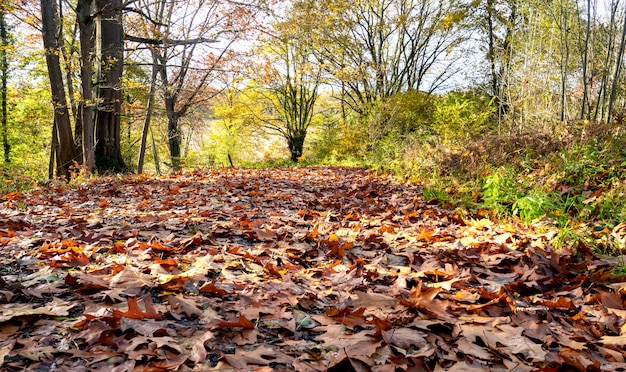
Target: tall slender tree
618	71
585	109
148	116
599	112
86	26
4	74
51	26
500	28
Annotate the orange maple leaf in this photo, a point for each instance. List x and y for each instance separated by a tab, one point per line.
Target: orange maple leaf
135	312
381	324
273	271
69	259
347	317
210	287
118	247
169	264
243	322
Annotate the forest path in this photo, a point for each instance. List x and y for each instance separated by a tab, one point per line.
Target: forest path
307	269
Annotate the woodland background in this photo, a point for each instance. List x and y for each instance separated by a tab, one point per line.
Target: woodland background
505	107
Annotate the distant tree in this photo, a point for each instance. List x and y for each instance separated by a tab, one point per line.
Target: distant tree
500	25
608	64
585	106
377	48
533	56
293	74
618	69
190	42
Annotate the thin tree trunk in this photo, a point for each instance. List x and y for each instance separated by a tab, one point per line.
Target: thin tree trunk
75	109
54	151
564	58
491	51
149	109
230	161
505	106
155	154
4	70
584	109
86	26
601	101
618	67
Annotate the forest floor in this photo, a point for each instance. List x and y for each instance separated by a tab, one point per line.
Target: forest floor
306	269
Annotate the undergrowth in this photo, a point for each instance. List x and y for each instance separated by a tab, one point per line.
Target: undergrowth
576	185
13	178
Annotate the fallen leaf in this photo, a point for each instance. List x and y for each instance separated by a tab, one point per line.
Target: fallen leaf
406	338
243	322
347	317
181	306
56	307
135	312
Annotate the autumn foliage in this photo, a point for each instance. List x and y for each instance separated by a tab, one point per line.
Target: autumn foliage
307	269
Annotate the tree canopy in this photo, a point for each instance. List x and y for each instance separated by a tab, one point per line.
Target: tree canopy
540	65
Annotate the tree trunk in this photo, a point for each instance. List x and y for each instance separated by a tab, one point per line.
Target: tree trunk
173	117
54	151
85	23
155	154
585	111
4	70
296	146
149	109
75	109
491	52
173	136
108	154
230	161
50	28
618	67
564	58
604	81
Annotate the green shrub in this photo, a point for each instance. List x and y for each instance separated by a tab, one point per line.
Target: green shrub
461	116
334	139
501	190
532	206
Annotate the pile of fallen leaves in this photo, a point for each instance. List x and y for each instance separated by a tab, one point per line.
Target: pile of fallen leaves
307	269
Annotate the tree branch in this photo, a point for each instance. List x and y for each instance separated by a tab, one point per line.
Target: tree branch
144	40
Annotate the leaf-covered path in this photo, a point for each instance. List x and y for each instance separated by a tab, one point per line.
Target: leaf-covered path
306	269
